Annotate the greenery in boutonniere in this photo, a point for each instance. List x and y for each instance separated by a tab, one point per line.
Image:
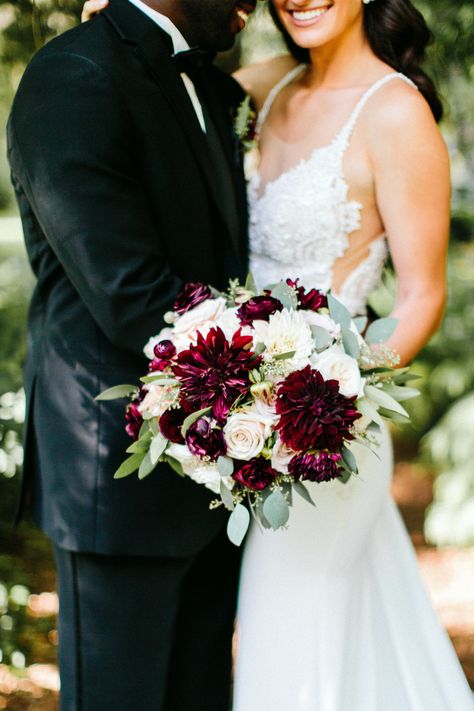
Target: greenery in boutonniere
245	126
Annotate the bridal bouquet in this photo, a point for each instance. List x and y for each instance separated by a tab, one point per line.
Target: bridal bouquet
251	394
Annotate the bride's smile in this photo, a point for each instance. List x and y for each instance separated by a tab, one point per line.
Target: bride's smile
310	16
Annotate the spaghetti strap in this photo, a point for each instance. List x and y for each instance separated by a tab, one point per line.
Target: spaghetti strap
273	93
346	132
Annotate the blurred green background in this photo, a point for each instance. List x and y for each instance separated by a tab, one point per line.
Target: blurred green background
441	438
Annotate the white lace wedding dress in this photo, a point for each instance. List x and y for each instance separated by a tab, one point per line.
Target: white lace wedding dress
333	615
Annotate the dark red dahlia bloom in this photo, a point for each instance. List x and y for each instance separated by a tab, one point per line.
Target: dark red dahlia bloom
260	307
214	373
205	441
164	351
322	466
310	300
192	294
313	413
170	424
257	474
134	419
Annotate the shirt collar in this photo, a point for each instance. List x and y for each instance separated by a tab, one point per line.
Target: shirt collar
179	43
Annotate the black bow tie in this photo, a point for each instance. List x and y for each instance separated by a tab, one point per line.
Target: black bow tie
192	61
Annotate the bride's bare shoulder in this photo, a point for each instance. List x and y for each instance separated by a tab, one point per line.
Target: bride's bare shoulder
258	79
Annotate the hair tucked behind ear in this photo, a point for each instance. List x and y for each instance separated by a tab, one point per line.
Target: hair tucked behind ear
398	34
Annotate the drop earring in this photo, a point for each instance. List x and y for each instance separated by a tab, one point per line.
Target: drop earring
366	2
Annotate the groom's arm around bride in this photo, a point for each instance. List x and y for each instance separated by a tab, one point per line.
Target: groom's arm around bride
115	181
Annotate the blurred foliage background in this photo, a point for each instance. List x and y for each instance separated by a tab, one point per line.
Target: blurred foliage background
441	438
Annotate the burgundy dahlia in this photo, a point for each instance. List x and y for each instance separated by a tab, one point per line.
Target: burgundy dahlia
309	300
170	424
257	474
214	373
313	413
205	441
319	467
258	308
192	294
134	419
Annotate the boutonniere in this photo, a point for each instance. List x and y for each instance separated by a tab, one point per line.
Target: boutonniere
245	127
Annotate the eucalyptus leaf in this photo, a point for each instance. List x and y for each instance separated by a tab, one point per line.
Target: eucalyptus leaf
175	465
226	496
384	399
322	338
401	393
146	467
349	459
129	466
369	409
144	429
361	323
259	348
380	331
154	427
394	416
284	356
405	378
157	447
225	465
344	478
159	380
286	295
301	489
117	392
338	312
141	446
238	524
192	418
250	284
350	342
276	510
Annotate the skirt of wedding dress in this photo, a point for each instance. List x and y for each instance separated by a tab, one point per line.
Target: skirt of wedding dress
333	614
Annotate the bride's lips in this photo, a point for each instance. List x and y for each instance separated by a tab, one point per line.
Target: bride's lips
309	16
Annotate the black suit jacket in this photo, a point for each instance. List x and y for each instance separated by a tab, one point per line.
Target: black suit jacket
120	205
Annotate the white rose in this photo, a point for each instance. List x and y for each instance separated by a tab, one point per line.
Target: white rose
281	456
202	317
245	434
335	364
158	399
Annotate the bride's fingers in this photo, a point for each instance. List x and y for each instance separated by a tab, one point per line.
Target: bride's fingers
92	7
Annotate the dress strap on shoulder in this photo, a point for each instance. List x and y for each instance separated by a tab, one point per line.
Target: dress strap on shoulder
273	93
346	132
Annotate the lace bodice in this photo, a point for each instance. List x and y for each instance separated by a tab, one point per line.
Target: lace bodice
300	222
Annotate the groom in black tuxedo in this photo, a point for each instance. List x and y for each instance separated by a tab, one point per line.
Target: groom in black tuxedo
129	183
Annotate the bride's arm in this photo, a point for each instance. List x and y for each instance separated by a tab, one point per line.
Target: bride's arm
92	7
412	182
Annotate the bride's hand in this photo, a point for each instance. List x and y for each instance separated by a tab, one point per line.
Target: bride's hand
92	7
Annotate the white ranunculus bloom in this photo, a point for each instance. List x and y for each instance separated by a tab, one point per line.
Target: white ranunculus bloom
158	399
203	316
286	331
281	456
245	433
335	364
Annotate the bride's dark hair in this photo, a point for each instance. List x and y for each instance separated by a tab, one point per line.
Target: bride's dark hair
398	34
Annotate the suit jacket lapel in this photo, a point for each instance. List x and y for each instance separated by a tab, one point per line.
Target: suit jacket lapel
152	46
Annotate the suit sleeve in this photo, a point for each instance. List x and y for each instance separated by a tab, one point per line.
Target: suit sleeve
71	147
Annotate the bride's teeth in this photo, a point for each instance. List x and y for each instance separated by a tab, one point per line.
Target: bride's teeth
309	14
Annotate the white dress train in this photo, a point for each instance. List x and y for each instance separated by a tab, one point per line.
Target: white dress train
333	614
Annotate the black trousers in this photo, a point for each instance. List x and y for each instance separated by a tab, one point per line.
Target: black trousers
147	634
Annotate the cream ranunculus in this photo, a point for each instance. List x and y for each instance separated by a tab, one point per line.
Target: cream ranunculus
335	364
201	318
204	473
158	399
245	433
281	456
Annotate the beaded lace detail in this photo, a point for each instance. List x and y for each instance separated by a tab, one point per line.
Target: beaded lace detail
300	222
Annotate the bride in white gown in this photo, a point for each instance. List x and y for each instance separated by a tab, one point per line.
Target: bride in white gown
333	615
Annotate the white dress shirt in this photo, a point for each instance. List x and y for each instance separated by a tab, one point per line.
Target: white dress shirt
179	45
